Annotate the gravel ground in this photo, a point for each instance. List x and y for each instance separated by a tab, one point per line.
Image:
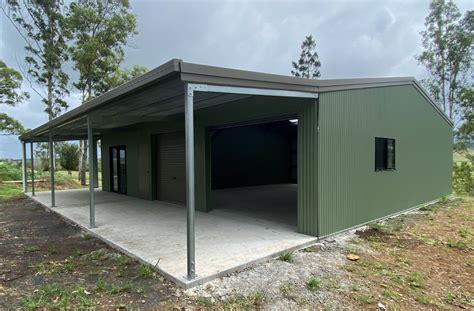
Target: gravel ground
283	284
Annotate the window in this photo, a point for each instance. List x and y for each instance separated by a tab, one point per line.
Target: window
118	169
384	154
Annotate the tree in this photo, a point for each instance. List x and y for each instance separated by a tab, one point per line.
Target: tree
465	132
10	126
448	53
99	30
121	76
10	83
69	156
308	64
41	25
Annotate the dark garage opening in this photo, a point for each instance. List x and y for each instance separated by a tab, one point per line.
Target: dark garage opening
253	170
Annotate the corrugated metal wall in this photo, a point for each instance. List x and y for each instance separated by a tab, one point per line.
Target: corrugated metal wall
350	191
308	170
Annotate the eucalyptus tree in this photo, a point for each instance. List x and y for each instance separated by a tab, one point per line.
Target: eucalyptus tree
448	41
41	25
120	76
10	94
308	65
100	29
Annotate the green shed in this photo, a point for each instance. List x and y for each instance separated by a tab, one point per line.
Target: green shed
321	156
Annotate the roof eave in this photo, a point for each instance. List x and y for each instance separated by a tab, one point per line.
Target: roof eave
167	69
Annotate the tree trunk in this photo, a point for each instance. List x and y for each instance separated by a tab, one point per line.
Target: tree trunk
50	113
83	148
83	163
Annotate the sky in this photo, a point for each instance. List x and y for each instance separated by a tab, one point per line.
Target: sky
357	38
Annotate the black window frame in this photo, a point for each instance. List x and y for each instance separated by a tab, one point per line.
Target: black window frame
385	146
111	173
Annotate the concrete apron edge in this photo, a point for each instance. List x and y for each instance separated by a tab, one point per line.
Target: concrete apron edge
180	282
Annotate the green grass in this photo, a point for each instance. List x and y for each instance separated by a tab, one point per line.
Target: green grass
458	244
313	284
30	249
416	279
459	298
52	250
57	296
63	180
48	268
145	271
364	299
98	255
204	301
286	256
122	288
390	294
241	302
54	267
464	232
101	285
9	191
428	300
113	289
389	227
123	262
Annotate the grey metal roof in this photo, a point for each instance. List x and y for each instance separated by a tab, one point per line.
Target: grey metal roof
159	93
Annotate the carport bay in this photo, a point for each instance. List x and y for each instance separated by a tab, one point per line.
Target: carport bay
144	156
128	119
235	226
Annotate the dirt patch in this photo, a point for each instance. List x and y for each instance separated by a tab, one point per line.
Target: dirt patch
428	263
47	262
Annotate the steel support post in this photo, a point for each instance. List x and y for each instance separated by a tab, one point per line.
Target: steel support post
51	168
90	142
32	170
189	133
23	166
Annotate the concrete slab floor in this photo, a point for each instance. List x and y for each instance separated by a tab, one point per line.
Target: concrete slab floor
152	231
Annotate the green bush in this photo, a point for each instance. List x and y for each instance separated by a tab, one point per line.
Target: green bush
10	171
69	157
463	182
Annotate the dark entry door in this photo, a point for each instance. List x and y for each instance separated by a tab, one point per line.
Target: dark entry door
171	168
118	169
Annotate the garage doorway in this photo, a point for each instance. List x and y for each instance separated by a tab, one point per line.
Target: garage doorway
170	167
254	170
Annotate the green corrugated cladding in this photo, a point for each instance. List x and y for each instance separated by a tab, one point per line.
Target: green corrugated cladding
350	192
308	170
